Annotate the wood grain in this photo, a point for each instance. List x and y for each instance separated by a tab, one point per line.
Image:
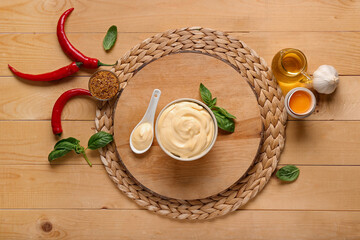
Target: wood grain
307	143
24	100
79	186
179	76
322	143
23	143
141	224
328	33
317	188
158	16
37	53
35	101
343	104
59	186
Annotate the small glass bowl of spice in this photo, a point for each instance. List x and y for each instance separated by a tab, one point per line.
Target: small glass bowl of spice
104	85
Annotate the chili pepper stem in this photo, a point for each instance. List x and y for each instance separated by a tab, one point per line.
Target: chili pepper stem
86	158
103	64
78	64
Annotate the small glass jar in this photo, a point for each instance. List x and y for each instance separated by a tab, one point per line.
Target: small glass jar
289	67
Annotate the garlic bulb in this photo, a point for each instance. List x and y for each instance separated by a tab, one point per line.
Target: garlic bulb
325	79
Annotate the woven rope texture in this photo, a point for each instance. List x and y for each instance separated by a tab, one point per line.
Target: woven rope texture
271	104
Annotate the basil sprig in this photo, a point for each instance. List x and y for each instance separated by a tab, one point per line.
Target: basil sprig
110	38
288	173
64	146
224	119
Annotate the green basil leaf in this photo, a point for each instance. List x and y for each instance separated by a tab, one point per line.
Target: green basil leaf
205	94
213	103
66	146
57	153
288	173
70	140
110	38
100	139
226	124
224	112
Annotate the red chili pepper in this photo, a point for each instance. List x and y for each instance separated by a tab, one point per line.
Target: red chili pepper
50	76
69	49
59	105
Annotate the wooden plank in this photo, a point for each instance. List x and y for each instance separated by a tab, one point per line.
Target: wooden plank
37	53
319	47
308	142
35	101
142	15
317	188
79	186
30	142
58	186
127	224
343	104
322	143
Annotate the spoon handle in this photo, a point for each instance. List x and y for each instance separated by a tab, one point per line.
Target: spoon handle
150	112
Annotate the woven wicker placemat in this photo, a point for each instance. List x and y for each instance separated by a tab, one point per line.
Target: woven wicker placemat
271	105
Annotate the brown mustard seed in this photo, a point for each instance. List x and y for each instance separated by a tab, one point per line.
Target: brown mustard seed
104	84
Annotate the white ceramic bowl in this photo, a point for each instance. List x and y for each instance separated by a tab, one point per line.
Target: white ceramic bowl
297	115
212	142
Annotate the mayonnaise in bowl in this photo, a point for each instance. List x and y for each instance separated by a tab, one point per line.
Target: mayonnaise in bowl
186	129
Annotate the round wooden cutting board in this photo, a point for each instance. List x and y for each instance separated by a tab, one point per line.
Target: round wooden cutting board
179	76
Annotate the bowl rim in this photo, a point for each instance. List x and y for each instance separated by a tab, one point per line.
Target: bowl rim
203	153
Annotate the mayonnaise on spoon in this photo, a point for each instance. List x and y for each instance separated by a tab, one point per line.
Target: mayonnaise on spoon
142	136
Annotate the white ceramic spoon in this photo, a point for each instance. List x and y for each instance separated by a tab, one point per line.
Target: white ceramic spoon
149	118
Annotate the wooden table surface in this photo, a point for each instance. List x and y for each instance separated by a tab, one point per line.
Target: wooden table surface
70	200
